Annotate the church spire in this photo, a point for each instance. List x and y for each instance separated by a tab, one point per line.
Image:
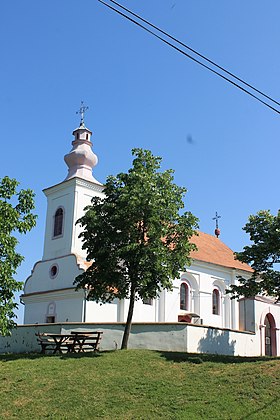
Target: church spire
81	159
82	111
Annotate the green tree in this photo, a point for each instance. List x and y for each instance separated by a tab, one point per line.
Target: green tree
15	218
263	256
135	236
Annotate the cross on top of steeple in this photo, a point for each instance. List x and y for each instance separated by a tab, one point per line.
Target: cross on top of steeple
217	230
82	111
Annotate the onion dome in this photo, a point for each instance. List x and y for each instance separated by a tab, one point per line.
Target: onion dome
81	159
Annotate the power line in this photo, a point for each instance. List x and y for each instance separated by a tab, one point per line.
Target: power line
191	57
195	52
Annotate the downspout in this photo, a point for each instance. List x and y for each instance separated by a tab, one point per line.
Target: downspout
261	339
85	305
233	302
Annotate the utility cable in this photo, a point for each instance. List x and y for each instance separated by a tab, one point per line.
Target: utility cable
189	56
195	52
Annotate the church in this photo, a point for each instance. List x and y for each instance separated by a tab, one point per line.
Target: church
198	297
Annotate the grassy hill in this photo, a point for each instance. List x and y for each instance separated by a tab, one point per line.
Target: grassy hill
139	384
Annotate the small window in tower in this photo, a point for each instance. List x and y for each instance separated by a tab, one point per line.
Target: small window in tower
78	136
58	222
87	136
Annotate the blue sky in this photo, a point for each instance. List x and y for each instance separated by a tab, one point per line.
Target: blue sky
141	93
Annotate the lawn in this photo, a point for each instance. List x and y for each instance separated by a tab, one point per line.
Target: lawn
139	384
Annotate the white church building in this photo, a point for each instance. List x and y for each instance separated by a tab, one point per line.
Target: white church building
198	297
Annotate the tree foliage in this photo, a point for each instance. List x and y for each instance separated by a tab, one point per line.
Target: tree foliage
135	236
263	256
15	218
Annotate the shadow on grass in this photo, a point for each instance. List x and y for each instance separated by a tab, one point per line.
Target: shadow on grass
180	357
33	356
177	357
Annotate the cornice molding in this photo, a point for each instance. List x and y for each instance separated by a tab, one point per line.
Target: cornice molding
60	294
94	186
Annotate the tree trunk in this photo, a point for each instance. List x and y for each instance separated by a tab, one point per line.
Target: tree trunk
129	318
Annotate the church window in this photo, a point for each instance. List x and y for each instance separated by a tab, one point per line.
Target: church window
148	301
87	136
58	222
50	316
50	319
53	271
184	297
216	302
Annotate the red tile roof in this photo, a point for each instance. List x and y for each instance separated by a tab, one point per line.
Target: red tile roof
213	250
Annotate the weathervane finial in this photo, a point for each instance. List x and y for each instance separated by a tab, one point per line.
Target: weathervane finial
217	230
82	111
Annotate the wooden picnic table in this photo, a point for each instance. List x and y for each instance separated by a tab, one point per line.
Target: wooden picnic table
74	342
86	340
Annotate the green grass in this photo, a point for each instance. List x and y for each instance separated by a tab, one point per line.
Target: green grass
139	384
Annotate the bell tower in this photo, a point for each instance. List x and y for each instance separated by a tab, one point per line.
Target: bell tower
51	282
67	200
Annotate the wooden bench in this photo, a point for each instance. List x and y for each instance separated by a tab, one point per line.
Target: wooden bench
86	341
75	342
45	342
54	342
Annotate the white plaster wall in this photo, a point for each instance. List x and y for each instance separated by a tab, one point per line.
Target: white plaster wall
40	279
84	191
202	279
23	339
61	195
203	339
212	277
68	307
117	311
247	317
96	312
172	303
73	196
143	312
155	336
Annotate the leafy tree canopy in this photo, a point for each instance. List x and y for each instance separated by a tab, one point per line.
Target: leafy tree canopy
263	256
135	235
15	217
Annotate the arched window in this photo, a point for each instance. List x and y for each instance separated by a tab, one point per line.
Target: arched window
216	298
58	222
184	296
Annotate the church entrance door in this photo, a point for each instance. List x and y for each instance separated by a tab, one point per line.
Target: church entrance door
270	335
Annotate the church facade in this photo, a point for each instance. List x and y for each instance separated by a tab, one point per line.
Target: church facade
198	296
